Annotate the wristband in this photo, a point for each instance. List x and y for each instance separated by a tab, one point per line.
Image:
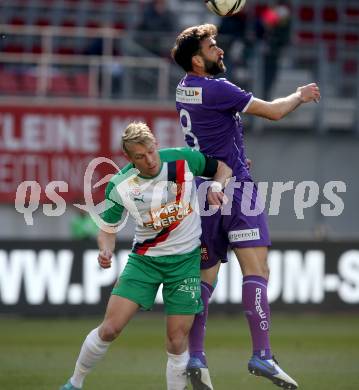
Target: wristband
216	186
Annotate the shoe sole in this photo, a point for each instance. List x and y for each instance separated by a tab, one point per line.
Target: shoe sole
278	382
195	377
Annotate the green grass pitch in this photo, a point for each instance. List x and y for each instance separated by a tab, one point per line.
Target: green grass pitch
319	351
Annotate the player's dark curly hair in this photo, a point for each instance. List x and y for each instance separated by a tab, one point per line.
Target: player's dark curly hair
188	44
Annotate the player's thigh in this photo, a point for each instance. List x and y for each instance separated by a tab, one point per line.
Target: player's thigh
209	275
118	313
139	282
253	261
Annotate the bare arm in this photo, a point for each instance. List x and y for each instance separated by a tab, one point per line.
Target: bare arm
279	108
106	243
224	172
215	195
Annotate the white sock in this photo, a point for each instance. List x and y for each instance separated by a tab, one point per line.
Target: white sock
176	371
93	349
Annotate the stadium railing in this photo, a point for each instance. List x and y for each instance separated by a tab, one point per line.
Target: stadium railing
51	70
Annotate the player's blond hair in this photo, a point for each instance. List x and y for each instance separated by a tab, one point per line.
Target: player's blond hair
137	133
188	44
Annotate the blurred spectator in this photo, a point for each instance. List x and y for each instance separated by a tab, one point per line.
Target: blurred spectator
273	28
234	42
82	226
114	69
157	19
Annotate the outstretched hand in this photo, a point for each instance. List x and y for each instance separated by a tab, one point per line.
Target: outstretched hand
309	93
104	258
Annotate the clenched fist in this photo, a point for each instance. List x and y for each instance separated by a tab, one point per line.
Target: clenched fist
105	258
309	93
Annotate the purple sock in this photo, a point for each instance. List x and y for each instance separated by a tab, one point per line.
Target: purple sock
256	307
198	330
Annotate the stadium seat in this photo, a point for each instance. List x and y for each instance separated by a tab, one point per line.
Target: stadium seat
36	49
352	13
119	26
330	15
306	36
17	21
13	47
306	13
68	23
351	38
8	83
42	22
28	83
59	85
329	36
65	50
350	67
81	83
93	24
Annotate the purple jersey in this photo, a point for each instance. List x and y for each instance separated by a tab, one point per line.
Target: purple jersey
209	114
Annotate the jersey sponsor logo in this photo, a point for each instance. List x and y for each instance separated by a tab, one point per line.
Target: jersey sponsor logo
169	214
139	198
191	95
244	235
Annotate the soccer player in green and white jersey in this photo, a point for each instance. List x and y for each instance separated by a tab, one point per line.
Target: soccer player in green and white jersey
158	190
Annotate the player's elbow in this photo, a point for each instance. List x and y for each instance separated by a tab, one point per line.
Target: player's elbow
275	116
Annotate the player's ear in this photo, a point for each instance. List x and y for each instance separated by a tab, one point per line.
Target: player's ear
127	156
197	61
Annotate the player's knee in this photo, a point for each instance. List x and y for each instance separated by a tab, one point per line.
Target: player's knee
176	342
109	331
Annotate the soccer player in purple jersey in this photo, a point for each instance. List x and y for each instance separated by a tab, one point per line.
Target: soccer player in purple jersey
209	114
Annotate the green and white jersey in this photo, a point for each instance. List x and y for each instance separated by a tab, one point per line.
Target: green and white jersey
162	206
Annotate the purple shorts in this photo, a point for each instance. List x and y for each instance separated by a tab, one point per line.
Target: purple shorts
242	223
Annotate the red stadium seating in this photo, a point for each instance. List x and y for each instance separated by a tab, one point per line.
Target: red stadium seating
350	67
93	24
330	15
81	84
8	83
351	38
352	13
42	22
306	14
28	83
306	36
17	21
59	85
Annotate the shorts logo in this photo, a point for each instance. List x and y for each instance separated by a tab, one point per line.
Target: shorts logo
190	286
244	235
189	95
204	254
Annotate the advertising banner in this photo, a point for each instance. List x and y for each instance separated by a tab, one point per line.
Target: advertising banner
52	143
64	278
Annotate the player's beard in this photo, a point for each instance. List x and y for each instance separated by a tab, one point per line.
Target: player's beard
213	68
